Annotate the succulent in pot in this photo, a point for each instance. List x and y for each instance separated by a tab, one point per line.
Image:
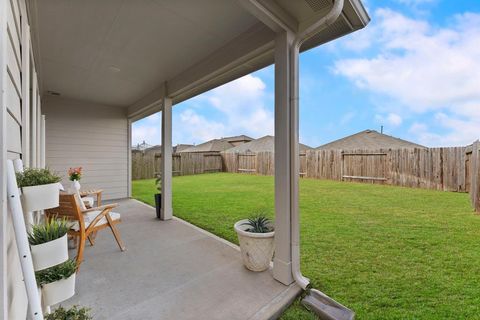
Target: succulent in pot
158	196
48	243
256	238
40	189
73	313
57	282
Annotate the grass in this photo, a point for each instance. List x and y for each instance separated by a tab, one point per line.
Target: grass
386	252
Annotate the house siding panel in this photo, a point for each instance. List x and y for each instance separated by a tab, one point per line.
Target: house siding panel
16	302
14	141
92	136
12	100
13	65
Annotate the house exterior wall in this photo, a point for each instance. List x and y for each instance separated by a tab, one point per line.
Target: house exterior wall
95	137
20	112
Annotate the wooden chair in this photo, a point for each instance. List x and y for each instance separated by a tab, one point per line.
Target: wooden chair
86	222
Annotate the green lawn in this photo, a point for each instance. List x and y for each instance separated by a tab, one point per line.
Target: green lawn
386	252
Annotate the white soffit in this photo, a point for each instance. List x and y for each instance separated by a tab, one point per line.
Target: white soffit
114	52
121	53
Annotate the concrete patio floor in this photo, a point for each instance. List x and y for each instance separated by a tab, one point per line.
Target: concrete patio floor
172	270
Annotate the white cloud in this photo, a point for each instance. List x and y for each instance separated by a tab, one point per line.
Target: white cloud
147	130
392	119
198	129
242	105
239	107
425	69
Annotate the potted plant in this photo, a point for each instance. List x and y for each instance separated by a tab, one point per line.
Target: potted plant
74	313
48	243
57	282
74	175
255	236
158	196
40	189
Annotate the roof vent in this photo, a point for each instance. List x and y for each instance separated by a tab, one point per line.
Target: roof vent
318	5
53	93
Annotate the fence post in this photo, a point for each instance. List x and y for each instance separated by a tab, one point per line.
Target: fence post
475	177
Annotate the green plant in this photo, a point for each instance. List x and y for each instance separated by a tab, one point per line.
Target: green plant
55	273
48	231
381	243
35	177
259	224
158	184
74	313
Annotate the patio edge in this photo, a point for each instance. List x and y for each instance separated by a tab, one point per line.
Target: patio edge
207	233
275	308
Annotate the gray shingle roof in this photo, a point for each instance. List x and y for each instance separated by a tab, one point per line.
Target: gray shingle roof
263	144
214	145
238	138
369	140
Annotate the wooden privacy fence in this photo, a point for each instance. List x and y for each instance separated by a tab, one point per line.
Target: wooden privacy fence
449	169
256	163
436	168
146	165
472	176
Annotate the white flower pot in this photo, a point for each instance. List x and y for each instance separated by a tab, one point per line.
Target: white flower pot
50	254
256	248
58	291
40	197
74	186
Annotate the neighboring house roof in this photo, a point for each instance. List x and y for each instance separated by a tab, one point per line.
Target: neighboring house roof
238	138
141	146
181	147
155	148
370	140
177	148
215	145
263	144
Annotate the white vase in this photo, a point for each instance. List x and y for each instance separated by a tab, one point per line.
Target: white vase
58	291
74	186
50	254
40	197
256	248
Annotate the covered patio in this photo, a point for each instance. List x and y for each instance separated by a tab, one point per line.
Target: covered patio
79	73
173	270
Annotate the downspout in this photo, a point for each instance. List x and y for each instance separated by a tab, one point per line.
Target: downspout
300	38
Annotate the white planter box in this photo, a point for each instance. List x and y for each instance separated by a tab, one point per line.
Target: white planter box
58	291
40	197
50	254
256	248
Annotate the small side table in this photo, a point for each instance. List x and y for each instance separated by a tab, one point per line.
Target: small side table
93	192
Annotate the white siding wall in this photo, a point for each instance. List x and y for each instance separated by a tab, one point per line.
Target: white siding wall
92	136
14	25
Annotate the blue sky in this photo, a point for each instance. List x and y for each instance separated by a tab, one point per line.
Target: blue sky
415	70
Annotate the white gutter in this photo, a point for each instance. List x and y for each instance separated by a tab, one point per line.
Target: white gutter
317	27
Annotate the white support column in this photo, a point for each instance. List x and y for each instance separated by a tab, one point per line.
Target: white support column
33	121
166	212
42	141
39	129
25	91
129	158
282	264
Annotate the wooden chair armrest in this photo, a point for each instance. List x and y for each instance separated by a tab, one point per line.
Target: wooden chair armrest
101	208
84	193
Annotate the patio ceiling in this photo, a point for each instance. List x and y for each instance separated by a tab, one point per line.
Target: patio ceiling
120	53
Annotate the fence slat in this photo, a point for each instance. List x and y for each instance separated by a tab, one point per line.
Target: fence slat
450	169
